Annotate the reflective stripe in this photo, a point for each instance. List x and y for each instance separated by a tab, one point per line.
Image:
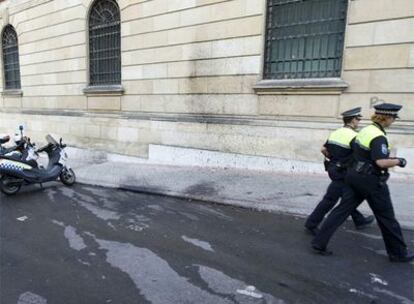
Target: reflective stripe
13	165
342	137
367	135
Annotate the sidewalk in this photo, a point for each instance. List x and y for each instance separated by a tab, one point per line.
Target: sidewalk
261	190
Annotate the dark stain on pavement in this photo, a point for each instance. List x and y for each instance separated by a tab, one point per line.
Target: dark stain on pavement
207	188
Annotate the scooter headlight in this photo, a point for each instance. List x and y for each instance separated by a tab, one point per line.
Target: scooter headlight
17	139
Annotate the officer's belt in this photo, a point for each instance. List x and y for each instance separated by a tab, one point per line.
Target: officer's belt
339	165
366	168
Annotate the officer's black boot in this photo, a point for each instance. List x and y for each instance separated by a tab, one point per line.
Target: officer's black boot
402	259
320	250
312	230
365	223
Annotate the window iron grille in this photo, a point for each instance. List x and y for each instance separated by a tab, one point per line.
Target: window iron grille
104	43
304	38
11	59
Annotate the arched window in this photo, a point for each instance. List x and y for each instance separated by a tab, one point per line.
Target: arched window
11	58
104	43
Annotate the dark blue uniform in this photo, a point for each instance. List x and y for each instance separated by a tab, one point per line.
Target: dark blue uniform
365	180
340	157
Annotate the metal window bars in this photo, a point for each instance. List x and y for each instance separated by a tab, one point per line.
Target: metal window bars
104	43
304	38
11	59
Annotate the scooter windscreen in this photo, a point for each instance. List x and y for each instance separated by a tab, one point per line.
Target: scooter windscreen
51	140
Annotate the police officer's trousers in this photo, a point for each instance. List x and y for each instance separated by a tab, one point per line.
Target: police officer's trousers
369	187
333	193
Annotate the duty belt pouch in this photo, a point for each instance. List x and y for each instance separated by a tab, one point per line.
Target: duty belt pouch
363	167
340	167
359	166
383	178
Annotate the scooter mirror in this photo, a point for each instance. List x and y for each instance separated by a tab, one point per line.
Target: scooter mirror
21	128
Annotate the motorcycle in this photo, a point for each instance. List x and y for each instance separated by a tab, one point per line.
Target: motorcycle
15	173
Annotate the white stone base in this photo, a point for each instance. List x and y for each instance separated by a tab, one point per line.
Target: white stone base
205	158
176	156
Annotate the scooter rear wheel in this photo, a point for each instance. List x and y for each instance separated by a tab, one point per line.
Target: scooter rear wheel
8	187
68	177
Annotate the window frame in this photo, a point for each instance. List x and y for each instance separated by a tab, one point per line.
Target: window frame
10	91
102	89
333	85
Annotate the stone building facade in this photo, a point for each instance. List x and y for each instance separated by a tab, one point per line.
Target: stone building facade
193	86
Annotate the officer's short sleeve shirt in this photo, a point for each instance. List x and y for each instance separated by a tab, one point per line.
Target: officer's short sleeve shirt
352	143
379	148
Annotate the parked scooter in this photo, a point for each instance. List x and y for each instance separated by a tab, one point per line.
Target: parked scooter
15	173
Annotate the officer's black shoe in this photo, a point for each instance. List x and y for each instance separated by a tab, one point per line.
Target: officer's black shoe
402	259
367	222
312	231
321	250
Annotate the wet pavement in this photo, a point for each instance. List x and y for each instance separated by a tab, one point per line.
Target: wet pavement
95	245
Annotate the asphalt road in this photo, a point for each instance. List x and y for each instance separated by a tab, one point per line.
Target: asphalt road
88	245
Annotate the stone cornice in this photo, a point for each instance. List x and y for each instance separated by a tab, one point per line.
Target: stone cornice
317	86
107	90
316	123
12	93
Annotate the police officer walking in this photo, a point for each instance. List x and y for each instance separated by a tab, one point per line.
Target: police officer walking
366	179
338	151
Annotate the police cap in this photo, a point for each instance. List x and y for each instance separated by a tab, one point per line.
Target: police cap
389	109
355	112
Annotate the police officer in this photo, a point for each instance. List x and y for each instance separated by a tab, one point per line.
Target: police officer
338	151
366	179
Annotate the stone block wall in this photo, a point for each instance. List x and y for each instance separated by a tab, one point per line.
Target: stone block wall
189	68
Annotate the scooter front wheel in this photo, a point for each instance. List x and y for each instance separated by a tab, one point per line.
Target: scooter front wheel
67	177
9	186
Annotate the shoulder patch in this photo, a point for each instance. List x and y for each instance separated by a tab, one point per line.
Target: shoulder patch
384	149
